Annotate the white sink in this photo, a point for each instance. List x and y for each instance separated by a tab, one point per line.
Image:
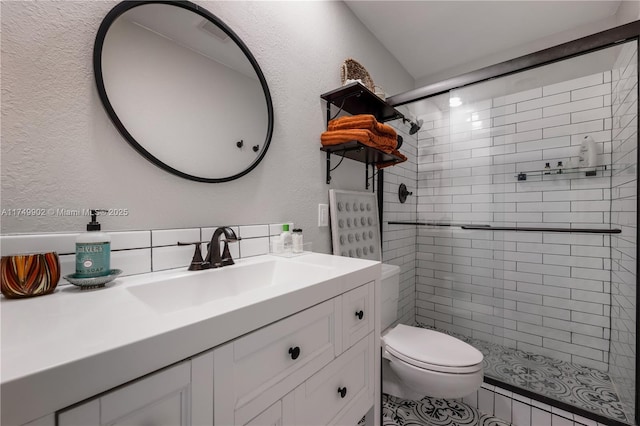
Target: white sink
189	289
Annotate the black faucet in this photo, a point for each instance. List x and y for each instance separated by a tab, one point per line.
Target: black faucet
213	259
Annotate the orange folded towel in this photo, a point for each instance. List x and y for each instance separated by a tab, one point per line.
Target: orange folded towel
336	137
397	153
384	144
364	122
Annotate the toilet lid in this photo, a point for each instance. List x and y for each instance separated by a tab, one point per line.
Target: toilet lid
430	347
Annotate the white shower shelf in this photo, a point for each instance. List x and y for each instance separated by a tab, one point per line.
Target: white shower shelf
588	171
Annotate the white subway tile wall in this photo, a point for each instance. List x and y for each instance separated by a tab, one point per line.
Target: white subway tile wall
165	254
21	244
521	411
624	95
170	237
254	231
170	257
399	241
254	246
547	293
132	262
138	252
130	240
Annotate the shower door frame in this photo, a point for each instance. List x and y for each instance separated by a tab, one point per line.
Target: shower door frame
591	43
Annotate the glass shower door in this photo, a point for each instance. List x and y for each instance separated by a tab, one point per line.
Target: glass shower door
553	312
482	178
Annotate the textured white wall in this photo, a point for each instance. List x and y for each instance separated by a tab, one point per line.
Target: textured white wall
59	149
628	11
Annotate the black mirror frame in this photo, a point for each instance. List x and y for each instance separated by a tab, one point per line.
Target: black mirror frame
126	5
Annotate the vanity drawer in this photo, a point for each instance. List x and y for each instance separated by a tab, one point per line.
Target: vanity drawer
345	386
272	416
255	370
357	314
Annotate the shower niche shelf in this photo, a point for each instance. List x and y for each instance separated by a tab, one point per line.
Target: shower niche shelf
355	98
565	172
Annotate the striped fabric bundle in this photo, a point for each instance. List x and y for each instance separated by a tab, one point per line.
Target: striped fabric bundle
27	275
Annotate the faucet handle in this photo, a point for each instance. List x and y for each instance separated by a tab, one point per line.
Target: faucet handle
197	263
226	255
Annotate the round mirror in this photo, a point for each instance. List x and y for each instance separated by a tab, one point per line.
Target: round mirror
183	89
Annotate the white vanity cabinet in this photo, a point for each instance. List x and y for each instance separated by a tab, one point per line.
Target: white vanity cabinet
357	314
341	393
301	351
178	395
315	367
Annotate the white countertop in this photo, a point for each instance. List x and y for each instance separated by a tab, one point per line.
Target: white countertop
59	349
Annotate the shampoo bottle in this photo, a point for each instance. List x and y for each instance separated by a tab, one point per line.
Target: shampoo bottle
93	251
287	239
588	153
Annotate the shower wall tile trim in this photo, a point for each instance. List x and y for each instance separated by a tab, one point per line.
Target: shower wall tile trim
541	292
138	252
521	411
399	241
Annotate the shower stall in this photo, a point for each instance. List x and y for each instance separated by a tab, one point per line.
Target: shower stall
521	239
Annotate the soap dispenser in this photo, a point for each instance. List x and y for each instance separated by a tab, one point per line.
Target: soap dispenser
93	250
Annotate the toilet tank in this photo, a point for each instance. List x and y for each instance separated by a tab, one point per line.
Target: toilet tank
390	287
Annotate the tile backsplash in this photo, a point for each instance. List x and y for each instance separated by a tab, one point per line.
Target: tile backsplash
138	252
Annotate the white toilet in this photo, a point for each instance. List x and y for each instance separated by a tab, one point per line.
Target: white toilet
417	362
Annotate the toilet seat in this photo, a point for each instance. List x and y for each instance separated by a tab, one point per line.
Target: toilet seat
432	367
432	350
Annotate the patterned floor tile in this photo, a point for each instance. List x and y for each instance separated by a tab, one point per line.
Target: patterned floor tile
580	386
433	412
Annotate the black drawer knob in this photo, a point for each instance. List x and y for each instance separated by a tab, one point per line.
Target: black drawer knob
342	392
294	352
360	314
